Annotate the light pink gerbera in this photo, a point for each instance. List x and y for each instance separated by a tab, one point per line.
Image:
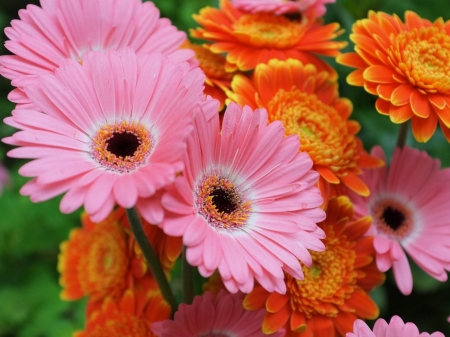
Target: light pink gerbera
45	36
409	203
113	131
315	8
222	316
395	328
246	203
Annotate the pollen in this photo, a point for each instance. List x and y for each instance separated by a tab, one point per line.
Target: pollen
221	204
122	147
422	55
392	218
269	31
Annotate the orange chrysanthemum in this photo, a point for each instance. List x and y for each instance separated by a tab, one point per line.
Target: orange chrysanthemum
333	293
130	317
102	259
217	80
307	102
406	65
250	39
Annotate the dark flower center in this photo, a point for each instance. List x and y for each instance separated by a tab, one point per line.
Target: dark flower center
393	218
123	144
224	200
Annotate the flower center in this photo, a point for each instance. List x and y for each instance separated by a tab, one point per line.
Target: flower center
122	147
422	57
392	218
104	265
323	132
219	202
268	31
328	282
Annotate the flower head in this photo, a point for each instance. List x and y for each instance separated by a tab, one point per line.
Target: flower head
408	203
220	316
246	203
250	39
102	260
307	101
333	293
112	131
130	317
395	327
406	66
315	8
45	36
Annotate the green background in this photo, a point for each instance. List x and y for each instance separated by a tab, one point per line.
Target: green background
30	234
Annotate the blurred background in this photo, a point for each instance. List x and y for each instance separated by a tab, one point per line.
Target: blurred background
30	234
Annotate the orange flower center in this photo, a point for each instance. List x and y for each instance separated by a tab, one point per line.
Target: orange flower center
104	263
422	57
330	280
322	131
221	204
392	218
122	147
268	30
122	326
213	65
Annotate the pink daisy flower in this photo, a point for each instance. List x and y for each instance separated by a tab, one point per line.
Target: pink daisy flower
315	8
409	203
395	328
223	315
59	29
246	203
112	131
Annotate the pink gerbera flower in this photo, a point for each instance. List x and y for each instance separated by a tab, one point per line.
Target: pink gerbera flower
409	203
309	7
45	36
246	203
222	316
395	328
113	130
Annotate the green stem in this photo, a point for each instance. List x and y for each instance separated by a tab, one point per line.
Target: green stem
187	274
403	134
150	256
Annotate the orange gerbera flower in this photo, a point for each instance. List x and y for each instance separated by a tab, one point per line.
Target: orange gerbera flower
250	39
333	293
102	259
406	65
130	317
307	102
213	65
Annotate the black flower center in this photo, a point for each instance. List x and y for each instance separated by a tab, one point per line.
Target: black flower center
393	218
224	200
123	144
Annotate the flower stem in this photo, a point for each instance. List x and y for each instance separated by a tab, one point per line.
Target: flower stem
151	258
187	274
403	134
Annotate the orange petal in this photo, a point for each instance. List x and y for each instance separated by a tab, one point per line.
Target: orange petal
362	261
355	183
424	128
351	60
367	161
400	114
256	299
420	104
444	114
344	322
437	100
275	321
364	306
358	228
401	95
382	106
298	322
356	78
276	302
127	302
365	246
385	91
322	326
327	174
445	131
379	74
